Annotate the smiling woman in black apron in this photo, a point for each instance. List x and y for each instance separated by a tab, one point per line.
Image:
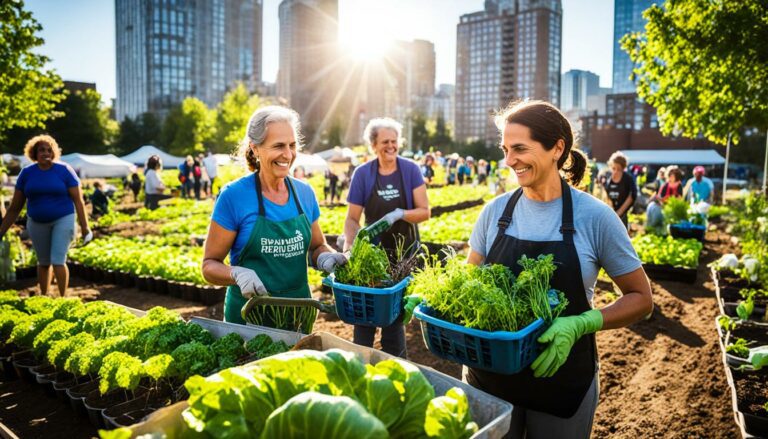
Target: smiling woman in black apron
266	221
558	395
388	187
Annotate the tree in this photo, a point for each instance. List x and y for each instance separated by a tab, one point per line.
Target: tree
419	132
232	117
442	135
85	125
188	128
144	130
703	65
28	92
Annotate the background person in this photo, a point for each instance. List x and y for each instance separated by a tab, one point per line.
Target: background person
53	195
699	188
673	187
266	205
153	186
557	396
135	185
212	168
620	187
99	201
388	187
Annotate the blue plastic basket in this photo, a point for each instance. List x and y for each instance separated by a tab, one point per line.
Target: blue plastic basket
499	351
686	230
368	306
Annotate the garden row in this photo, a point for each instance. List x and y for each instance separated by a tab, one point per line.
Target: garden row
742	298
114	365
116	368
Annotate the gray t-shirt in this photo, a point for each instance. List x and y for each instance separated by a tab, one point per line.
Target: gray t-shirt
601	239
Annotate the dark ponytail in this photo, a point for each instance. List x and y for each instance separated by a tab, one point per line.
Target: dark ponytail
548	125
575	167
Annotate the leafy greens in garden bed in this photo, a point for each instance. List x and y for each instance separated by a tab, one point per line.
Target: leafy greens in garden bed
489	297
331	392
659	250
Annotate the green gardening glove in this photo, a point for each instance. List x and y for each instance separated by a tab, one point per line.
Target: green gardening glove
561	336
409	304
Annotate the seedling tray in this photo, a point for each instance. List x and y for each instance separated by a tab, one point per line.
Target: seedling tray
668	272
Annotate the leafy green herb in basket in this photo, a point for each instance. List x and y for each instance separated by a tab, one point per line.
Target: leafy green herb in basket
368	265
489	297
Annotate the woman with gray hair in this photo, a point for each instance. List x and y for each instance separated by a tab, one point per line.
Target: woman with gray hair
267	222
393	188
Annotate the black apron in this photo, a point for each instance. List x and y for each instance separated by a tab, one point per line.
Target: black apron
561	394
381	202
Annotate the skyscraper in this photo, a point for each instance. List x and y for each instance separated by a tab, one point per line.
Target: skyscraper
167	51
511	50
627	17
310	73
576	86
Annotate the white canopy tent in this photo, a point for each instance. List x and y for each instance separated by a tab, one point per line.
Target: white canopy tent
704	157
98	166
311	163
140	156
337	152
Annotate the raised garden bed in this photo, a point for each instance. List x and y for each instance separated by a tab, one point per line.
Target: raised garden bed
668	272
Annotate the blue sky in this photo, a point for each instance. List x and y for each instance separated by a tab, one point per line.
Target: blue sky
80	34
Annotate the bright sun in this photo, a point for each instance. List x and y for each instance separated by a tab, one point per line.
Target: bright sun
364	44
358	33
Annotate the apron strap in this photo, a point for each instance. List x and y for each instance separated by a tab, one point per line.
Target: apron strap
260	196
566	228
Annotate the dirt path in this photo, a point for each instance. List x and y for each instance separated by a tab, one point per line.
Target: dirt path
661	377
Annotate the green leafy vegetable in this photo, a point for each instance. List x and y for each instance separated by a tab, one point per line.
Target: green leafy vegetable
448	416
368	265
320	416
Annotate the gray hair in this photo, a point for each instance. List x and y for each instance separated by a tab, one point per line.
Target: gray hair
256	131
371	132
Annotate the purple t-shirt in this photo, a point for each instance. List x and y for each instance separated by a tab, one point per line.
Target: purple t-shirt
364	179
47	191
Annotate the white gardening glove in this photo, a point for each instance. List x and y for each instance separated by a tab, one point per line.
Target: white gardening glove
248	281
394	216
88	237
328	261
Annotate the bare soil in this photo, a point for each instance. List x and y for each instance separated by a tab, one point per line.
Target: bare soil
661	377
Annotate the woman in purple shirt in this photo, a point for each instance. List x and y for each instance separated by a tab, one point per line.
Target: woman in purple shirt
388	187
52	192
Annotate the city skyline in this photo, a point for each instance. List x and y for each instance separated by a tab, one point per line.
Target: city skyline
87	53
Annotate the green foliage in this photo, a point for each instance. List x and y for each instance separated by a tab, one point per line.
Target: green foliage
312	414
143	130
675	210
368	265
53	332
331	391
86	360
488	298
702	65
28	91
188	128
659	250
158	367
120	370
738	348
229	349
232	116
194	358
61	350
448	416
85	126
262	346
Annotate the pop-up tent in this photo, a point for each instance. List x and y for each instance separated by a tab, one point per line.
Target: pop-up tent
311	163
140	156
98	166
339	154
693	157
